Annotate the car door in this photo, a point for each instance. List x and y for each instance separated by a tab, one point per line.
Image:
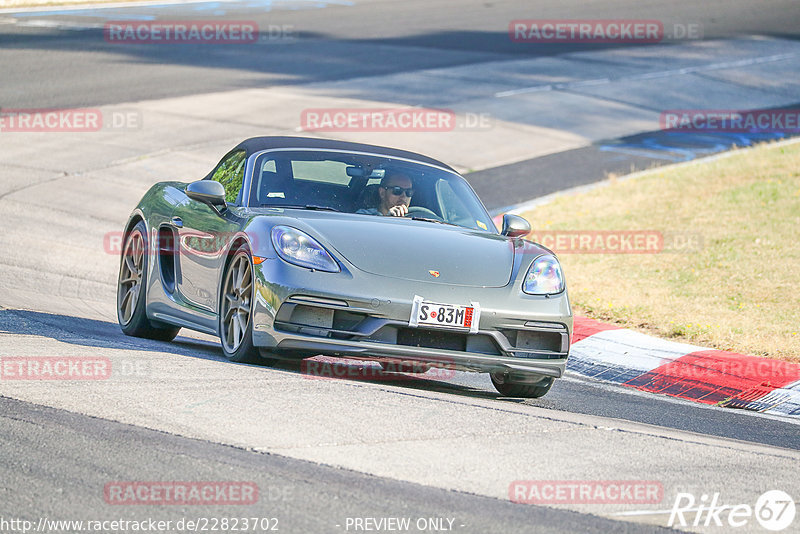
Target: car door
204	234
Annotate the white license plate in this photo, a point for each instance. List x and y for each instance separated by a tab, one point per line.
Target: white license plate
447	315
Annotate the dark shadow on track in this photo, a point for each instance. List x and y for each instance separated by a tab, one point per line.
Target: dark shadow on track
584	396
310	57
101	334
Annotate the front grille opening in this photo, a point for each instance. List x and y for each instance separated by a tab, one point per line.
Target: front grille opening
534	340
312	316
432	339
344	320
550	341
511	336
319	321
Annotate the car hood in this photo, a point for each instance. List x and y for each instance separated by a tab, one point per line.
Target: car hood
420	251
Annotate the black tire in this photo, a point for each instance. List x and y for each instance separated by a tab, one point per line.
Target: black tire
526	391
235	306
131	288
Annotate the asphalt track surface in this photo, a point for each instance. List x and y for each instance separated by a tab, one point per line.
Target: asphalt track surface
55	67
45	67
302	496
58	58
576	395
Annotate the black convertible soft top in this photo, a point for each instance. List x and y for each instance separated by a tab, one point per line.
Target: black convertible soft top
256	144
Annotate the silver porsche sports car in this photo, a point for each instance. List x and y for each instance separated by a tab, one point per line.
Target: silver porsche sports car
294	247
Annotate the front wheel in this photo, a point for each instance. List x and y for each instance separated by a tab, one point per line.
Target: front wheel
236	309
526	391
132	289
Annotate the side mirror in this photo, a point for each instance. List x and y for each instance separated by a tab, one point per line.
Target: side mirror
207	191
515	226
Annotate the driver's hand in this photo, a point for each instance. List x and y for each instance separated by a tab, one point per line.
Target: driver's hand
398	211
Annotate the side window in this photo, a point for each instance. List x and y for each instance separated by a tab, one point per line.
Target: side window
230	174
453	209
461	207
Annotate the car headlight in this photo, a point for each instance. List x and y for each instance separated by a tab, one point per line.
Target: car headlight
301	249
544	277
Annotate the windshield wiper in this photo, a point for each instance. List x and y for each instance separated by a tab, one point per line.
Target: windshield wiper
313	207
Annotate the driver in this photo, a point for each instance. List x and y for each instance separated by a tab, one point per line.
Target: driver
395	195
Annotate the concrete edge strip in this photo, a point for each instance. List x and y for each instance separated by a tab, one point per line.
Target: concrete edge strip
612	354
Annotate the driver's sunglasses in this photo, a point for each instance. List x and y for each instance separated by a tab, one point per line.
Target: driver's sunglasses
397	190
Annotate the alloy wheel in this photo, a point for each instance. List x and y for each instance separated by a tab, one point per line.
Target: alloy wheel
130	276
236	299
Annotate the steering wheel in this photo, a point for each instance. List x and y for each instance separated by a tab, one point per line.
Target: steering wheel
419	211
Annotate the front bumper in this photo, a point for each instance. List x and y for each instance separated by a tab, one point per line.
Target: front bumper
352	314
460	361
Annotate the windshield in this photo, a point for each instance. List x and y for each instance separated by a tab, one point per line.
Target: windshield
350	182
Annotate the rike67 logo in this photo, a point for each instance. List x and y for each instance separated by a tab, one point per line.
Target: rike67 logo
774	510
